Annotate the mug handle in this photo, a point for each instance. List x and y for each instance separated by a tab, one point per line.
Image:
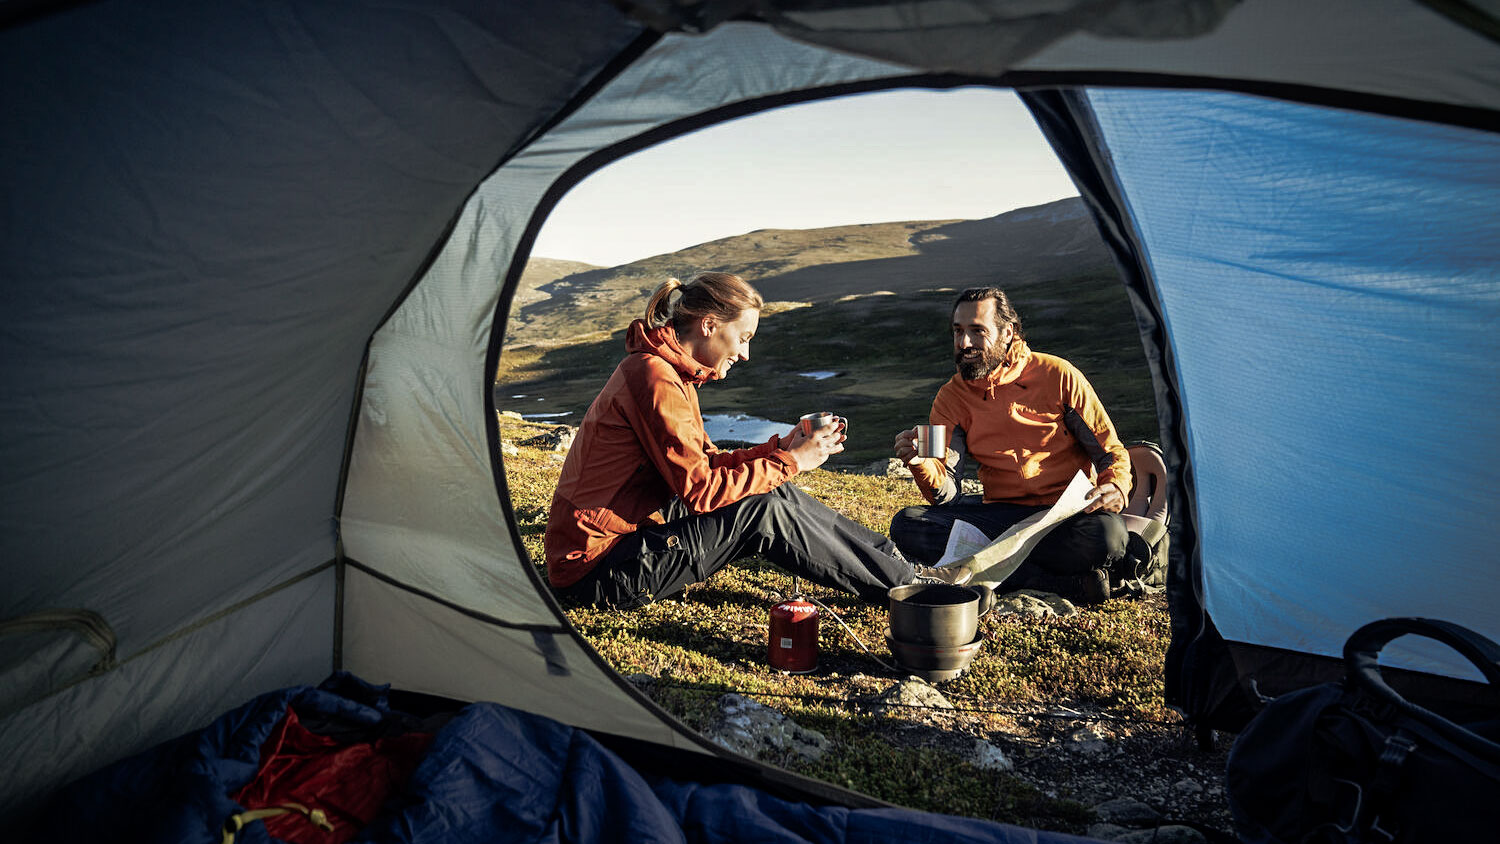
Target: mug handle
986	597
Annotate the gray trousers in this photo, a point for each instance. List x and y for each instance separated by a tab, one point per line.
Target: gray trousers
790	528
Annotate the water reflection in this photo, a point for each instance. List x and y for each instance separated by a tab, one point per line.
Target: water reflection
818	375
738	426
720	426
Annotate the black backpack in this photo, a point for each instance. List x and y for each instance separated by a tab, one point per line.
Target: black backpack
1353	761
1144	567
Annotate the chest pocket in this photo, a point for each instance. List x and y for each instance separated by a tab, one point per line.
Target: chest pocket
1028	432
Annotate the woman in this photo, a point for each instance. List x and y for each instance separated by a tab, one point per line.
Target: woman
646	504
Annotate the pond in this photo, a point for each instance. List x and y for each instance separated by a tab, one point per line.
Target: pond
720	426
739	426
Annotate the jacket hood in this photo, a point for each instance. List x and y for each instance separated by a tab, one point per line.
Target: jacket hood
662	342
1009	370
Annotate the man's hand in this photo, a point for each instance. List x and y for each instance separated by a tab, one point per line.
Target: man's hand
1107	497
906	445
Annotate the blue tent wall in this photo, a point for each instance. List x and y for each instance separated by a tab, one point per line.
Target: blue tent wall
1325	281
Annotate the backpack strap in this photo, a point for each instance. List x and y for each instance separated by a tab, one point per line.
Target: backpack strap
1098	455
1152	532
1362	674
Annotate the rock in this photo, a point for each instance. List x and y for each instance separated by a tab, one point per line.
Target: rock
508	448
891	467
1107	831
1165	834
913	691
749	728
1086	740
560	438
1186	786
987	757
1031	602
1127	812
969	486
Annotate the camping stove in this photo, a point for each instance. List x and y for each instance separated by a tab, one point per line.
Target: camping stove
792	640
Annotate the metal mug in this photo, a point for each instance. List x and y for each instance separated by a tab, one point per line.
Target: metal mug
932	441
817	421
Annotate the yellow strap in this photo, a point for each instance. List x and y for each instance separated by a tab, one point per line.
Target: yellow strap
234	823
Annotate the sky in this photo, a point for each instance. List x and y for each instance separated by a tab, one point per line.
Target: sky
871	158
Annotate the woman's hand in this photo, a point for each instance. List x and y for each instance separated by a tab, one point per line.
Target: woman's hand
811	450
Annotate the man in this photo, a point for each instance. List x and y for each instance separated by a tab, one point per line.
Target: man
1031	421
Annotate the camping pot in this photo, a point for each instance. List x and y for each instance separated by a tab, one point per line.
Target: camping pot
938	613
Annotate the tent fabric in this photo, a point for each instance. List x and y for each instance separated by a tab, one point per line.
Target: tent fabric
259	254
488	773
1331	291
413	642
208	212
1381	52
152	697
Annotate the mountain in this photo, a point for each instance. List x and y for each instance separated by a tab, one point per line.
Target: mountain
540	272
856	322
1016	248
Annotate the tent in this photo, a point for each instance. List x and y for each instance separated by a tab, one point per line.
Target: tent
259	254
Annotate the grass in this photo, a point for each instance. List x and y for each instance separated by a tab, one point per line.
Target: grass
712	639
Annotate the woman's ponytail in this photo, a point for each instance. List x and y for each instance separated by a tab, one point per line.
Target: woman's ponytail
659	311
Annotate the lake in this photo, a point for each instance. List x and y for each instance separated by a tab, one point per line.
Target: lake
720	426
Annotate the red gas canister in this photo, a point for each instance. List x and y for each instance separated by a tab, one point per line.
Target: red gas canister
793	641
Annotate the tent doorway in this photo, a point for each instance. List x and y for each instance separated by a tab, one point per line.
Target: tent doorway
857	321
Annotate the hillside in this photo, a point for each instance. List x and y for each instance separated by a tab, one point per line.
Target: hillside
869	304
540	272
822	265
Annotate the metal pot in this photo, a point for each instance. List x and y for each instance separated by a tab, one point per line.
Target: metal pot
933	662
937	613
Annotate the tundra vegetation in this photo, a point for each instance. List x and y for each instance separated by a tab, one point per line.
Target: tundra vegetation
1044	690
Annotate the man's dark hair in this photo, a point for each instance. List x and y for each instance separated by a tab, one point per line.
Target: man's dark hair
1004	313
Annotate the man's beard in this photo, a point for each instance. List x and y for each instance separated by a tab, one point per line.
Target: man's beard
980	366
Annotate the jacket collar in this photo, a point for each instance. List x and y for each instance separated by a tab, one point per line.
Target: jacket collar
662	342
1008	371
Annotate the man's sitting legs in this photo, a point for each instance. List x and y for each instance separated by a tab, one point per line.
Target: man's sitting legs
922	532
1068	560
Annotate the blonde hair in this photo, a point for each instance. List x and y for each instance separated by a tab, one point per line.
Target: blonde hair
721	295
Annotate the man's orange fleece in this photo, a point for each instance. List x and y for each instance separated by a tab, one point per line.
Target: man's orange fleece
1014	429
